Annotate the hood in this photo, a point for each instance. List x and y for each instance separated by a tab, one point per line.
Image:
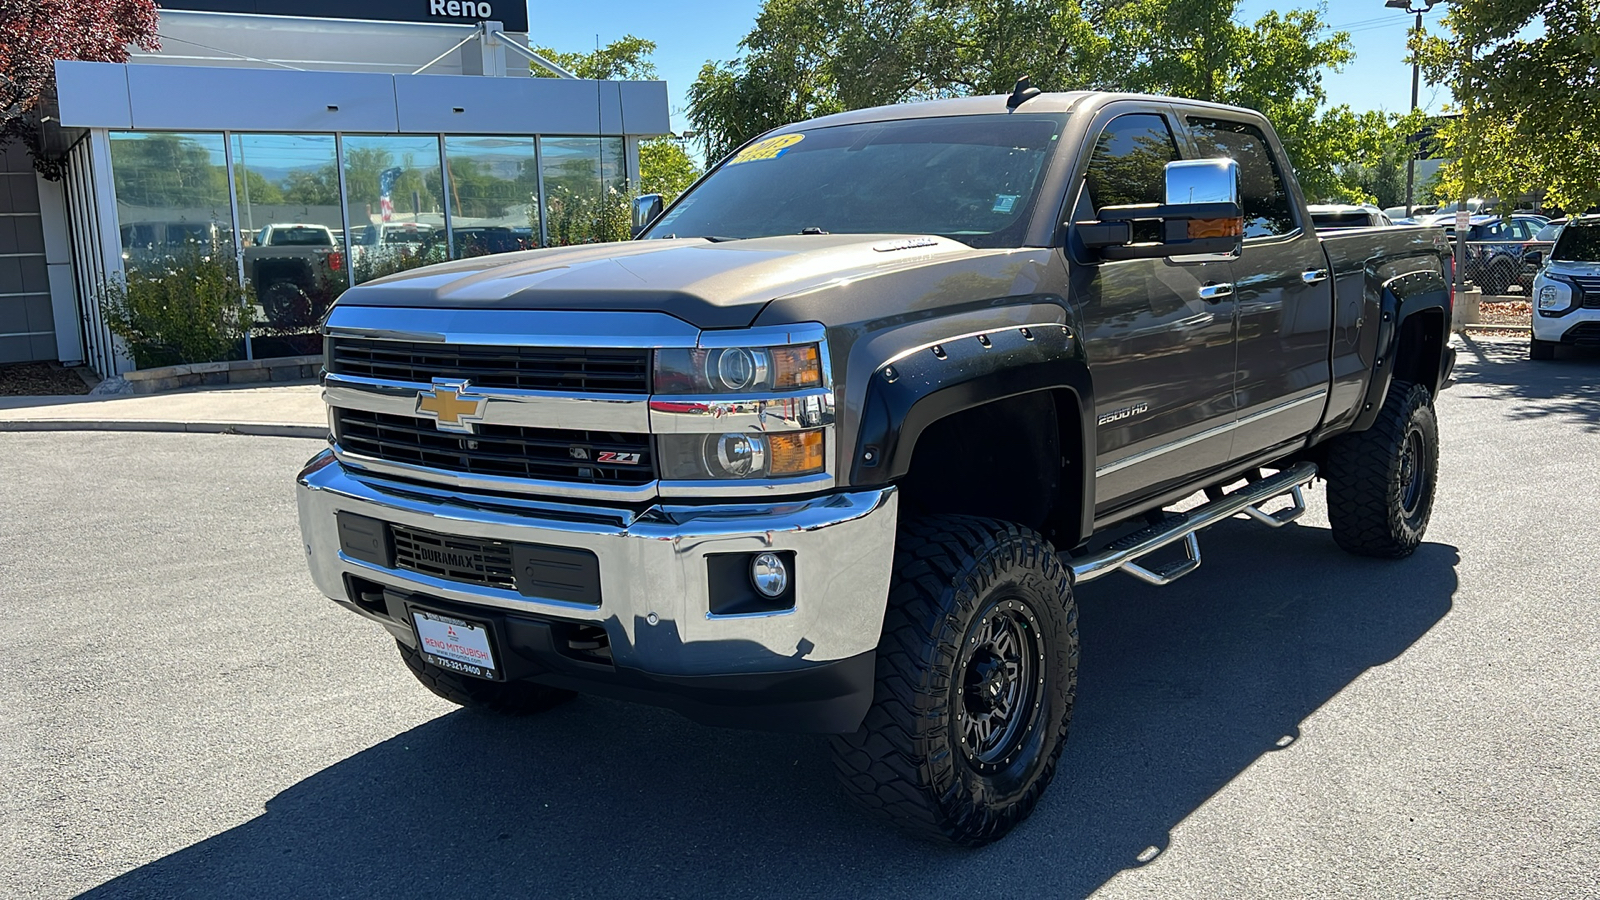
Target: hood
1572	267
709	285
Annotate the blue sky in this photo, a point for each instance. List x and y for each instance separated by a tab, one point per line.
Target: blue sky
689	34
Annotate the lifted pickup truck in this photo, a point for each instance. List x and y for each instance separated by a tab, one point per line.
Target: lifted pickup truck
828	448
288	264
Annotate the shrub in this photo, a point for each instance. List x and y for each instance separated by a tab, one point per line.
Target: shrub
587	218
186	308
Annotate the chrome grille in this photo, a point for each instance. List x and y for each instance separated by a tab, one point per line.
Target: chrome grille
505	451
454	558
571	369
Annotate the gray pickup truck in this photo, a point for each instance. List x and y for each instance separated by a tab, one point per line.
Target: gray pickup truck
830	445
289	265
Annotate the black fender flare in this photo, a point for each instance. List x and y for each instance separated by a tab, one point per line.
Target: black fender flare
1400	299
920	386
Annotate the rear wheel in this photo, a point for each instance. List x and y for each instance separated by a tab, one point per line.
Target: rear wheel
1381	481
513	698
1538	349
976	675
286	305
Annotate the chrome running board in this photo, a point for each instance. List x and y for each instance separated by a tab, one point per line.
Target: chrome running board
1125	553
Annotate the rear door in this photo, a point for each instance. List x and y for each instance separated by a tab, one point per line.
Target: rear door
1282	288
1161	353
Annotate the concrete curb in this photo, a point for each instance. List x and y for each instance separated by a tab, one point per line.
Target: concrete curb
259	429
1485	326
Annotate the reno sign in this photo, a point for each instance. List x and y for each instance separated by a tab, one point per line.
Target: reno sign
513	14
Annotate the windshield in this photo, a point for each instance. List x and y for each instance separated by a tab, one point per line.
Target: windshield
970	178
1578	243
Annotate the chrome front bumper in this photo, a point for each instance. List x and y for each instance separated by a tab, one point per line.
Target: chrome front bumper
653	571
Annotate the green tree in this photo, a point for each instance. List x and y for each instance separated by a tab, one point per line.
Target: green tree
318	188
812	57
625	59
162	170
665	168
254	185
1526	76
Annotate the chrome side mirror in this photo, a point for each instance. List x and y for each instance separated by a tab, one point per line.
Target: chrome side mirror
1192	181
1202	217
645	209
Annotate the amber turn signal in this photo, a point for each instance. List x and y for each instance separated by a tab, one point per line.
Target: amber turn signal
796	368
1215	228
796	453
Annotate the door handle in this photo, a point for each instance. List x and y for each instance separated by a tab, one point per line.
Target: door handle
1314	276
1211	292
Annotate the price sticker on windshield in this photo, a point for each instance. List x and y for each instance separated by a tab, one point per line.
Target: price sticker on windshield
770	148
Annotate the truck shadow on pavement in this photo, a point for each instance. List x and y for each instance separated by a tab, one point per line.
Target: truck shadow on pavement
1567	387
1181	690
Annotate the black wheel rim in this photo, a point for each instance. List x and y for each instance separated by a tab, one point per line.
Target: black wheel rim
1000	685
1413	473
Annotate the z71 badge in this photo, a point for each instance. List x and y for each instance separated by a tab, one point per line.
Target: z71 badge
618	459
1127	412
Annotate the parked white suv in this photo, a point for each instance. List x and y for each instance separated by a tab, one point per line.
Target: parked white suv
1566	292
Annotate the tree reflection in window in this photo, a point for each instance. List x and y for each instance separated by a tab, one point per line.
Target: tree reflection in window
1267	209
1129	167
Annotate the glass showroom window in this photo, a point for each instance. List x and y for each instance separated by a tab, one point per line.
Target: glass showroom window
290	227
172	200
614	164
494	194
394	190
580	206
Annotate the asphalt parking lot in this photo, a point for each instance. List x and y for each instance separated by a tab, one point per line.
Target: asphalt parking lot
184	716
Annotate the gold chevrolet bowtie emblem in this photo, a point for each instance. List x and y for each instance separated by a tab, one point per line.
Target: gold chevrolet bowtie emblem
451	405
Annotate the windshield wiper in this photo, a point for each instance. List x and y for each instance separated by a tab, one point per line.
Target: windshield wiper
717	238
812	229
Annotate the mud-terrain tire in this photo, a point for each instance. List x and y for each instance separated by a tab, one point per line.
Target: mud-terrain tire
510	698
286	305
1541	350
977	671
1381	481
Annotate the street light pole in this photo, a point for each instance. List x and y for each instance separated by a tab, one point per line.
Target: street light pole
1411	149
1416	81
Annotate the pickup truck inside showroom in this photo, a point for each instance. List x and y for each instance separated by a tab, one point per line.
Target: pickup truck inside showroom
829	447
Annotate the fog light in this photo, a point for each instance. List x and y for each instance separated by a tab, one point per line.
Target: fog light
769	575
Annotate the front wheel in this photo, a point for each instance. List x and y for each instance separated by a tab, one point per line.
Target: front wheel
512	698
1541	350
976	674
1381	481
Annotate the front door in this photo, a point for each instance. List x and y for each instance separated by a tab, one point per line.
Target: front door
1159	344
1284	295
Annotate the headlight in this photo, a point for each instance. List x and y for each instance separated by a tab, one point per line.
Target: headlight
738	370
739	455
1553	298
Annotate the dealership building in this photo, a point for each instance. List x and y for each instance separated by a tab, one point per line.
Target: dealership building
309	145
